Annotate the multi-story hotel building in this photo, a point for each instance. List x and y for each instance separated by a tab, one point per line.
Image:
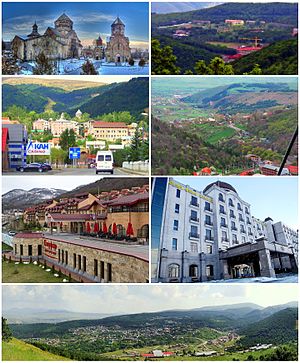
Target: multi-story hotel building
200	236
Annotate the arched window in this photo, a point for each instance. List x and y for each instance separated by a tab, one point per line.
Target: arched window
193	271
121	231
221	198
230	202
173	270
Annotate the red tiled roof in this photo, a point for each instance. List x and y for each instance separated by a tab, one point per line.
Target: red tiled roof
102	124
4	138
29	235
59	217
129	199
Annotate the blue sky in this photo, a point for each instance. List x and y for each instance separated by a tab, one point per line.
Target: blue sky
133	299
90	18
275	197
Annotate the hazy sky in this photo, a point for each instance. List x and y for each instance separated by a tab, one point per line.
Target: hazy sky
275	197
132	299
90	18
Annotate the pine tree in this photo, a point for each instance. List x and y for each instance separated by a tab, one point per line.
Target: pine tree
67	139
43	65
6	332
162	59
88	68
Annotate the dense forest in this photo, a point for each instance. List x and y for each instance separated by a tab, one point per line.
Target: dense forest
129	96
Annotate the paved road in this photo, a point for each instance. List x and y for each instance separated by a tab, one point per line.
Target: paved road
139	251
75	171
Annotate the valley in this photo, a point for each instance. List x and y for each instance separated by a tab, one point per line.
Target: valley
199	334
240	118
242	35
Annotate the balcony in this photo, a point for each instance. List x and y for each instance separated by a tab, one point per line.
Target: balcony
208	239
232	216
208	223
240	209
233	228
194	235
222	212
221	200
224	240
231	205
194	219
208	210
224	225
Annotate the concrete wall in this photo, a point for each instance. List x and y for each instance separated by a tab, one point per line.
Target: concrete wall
142	166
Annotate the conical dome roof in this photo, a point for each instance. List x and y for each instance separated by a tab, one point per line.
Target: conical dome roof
118	21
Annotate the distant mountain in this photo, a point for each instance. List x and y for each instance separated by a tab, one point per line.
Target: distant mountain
221	318
67	85
132	96
20	199
27	315
285	13
278	58
107	184
278	328
240	97
173	7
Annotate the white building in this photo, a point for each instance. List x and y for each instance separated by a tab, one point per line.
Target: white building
199	236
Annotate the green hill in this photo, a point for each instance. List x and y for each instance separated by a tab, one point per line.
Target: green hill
129	96
285	13
278	58
278	328
17	350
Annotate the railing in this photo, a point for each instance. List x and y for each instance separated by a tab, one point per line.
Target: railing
207	209
222	212
194	235
224	240
194	204
209	238
194	219
208	223
224	225
233	228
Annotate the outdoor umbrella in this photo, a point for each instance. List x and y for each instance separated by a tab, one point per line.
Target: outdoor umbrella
104	228
129	230
96	227
114	229
88	227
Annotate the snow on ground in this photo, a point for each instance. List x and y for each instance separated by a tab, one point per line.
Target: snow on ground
73	67
281	279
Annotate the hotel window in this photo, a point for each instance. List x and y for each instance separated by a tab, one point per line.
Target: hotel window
194	201
194	215
173	271
207	206
101	269
109	273
174	244
248	220
208	235
239	206
233	227
209	249
246	210
223	222
29	250
74	260
194	247
234	239
209	270
221	198
232	213
176	208
178	193
208	220
79	262
224	236
222	209
241	219
95	267
175	225
249	231
194	231
242	229
231	202
193	271
243	239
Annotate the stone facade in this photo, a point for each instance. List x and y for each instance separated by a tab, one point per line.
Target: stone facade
83	263
117	48
60	42
196	228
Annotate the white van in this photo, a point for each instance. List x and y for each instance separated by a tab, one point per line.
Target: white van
104	162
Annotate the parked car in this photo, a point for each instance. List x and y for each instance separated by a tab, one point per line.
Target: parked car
40	167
